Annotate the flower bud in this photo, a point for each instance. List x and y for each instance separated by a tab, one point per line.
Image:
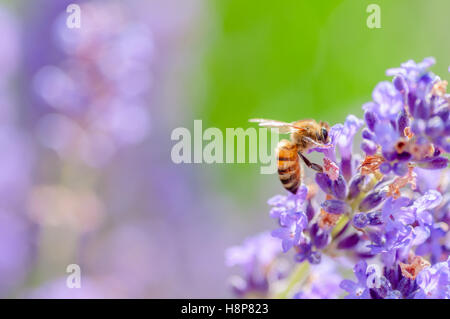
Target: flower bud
309	211
375	218
339	188
360	220
371	201
367	134
369	147
324	183
348	242
371	120
334	206
400	84
355	186
321	239
412	100
434	163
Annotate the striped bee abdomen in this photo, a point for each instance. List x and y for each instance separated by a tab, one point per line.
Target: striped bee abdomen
288	165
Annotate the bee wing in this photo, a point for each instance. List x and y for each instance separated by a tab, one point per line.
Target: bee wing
283	127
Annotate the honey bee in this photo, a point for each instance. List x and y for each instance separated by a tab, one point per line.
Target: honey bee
305	134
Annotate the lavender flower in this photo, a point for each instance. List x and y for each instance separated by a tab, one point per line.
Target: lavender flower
97	105
390	202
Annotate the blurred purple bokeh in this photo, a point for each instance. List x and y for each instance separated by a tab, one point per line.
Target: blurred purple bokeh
85	121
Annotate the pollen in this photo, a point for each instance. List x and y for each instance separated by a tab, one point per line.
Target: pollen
408	133
415	266
402	181
439	88
371	164
331	169
401	146
419	152
326	220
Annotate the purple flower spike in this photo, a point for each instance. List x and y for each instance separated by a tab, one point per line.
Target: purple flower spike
334	206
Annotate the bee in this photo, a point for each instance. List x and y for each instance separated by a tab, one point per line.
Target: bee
305	134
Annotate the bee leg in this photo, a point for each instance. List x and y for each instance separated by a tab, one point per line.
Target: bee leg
314	166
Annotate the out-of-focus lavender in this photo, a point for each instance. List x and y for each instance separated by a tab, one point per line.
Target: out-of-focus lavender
97	93
85	179
16	233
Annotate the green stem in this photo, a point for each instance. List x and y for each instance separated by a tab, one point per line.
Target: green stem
296	277
340	224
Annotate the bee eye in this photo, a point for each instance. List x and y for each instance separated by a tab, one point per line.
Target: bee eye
324	134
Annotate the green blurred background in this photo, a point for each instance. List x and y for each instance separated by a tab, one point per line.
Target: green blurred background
291	60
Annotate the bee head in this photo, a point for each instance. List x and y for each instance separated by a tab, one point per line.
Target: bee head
324	137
